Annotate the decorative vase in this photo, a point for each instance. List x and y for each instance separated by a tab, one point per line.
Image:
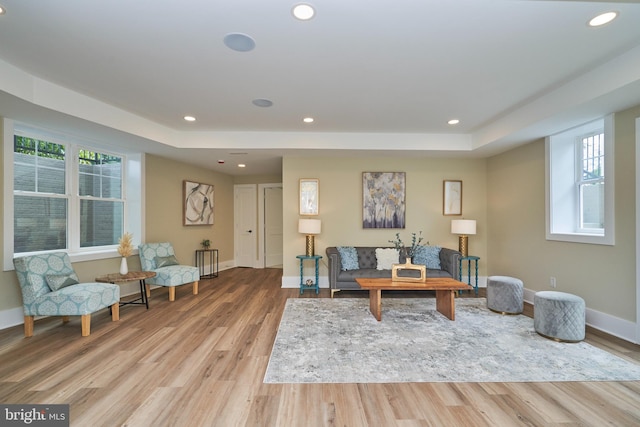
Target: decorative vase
408	260
124	269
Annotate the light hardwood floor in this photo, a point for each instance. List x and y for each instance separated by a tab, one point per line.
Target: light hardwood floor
200	361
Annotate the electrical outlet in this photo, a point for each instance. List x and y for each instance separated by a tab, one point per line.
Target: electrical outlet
552	282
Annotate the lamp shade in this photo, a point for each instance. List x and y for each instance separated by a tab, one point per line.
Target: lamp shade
309	226
463	226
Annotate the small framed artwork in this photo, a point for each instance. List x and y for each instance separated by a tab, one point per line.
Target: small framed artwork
309	194
198	203
452	198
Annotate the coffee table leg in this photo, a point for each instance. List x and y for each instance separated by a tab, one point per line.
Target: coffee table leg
446	304
375	303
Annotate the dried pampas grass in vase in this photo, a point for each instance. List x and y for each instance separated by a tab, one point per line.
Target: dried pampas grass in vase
125	249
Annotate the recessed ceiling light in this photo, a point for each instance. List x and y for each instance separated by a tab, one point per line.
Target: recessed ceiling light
2	10
190	118
308	120
261	102
603	18
303	11
242	165
239	42
453	121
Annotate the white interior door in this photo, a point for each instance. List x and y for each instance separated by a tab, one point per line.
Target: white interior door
245	224
273	227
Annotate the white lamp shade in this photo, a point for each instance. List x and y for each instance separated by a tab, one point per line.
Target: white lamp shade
463	226
309	226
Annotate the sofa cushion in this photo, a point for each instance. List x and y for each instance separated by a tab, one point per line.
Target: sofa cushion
367	257
348	258
386	258
428	256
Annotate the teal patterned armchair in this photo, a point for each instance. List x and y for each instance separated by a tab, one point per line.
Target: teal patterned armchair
50	288
161	259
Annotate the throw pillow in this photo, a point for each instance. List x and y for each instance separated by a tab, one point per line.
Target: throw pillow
428	256
165	261
348	257
59	281
386	258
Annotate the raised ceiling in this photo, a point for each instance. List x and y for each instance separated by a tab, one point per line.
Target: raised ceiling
374	75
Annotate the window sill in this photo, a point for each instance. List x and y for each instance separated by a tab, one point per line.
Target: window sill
593	239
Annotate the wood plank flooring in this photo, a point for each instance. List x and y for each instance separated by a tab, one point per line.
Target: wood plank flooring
200	361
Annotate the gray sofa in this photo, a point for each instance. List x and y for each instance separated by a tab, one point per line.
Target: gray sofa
346	280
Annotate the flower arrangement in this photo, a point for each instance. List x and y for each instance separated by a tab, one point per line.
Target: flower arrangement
408	251
206	243
125	246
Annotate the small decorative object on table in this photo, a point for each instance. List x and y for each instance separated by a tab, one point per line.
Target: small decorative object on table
125	249
408	252
310	283
206	243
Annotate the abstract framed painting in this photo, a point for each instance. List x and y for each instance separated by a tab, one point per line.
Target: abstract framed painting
383	200
198	203
452	198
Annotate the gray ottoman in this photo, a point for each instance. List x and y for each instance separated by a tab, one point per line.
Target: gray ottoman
505	294
559	316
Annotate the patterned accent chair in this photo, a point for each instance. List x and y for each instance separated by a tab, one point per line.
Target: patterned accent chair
50	288
160	258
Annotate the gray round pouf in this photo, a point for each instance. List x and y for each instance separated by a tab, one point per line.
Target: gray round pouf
505	294
559	316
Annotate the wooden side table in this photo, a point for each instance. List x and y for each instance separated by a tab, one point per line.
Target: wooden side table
469	259
213	263
131	276
303	285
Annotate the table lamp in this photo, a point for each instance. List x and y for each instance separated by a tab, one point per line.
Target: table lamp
463	227
310	227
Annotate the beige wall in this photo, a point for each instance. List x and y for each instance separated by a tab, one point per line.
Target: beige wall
163	208
603	275
341	203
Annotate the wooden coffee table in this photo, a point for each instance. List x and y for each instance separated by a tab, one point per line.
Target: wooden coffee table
445	292
131	276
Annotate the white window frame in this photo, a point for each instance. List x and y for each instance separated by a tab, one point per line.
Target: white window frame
561	187
132	192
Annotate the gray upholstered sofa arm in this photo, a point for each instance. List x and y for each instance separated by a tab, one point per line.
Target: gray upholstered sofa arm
334	265
450	261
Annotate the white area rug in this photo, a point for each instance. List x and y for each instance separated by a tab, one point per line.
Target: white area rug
339	341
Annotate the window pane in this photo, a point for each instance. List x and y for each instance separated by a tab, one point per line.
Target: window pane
101	222
24	173
39	166
40	224
593	157
100	175
592	196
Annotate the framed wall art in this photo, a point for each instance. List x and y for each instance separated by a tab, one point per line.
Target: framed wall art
309	195
452	198
383	200
198	203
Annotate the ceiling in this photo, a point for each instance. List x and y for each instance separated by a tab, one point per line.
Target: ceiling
375	75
